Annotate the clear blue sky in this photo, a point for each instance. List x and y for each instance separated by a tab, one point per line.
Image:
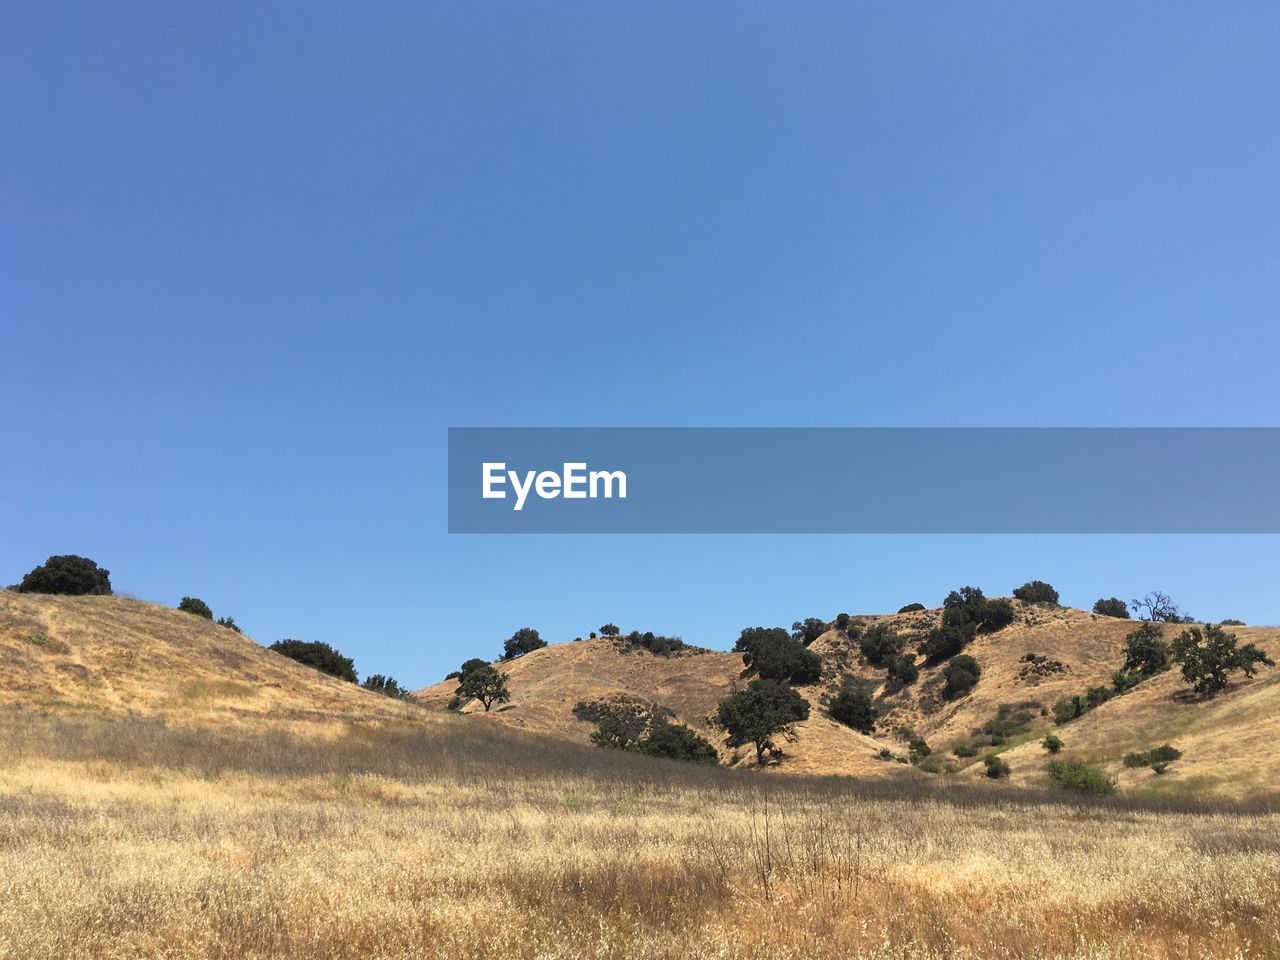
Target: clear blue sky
257	257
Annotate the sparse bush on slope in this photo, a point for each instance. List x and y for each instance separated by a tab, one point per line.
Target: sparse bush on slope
1080	776
961	675
319	656
70	575
195	606
911	608
852	707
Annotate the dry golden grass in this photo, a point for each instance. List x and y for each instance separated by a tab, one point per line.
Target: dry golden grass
171	790
129	837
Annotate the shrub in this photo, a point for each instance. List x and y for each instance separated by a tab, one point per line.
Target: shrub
455	703
962	675
997	769
808	630
774	655
1145	651
918	749
911	608
842	622
1209	656
902	673
486	685
1010	720
1036	591
1080	776
69	575
965	749
609	630
387	686
525	640
764	710
1051	743
1111	607
195	606
1231	622
229	623
1165	754
853	708
318	656
880	645
965	613
678	742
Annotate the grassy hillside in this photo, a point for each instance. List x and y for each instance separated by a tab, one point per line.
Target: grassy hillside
1226	741
169	789
111	655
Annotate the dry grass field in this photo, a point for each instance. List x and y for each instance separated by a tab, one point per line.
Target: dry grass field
203	798
129	837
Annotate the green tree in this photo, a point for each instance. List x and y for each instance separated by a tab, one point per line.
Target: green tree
609	630
852	707
774	655
195	605
1145	651
902	673
961	676
524	640
70	575
1052	743
319	656
387	686
1111	607
228	622
1209	655
764	710
842	622
675	741
808	630
880	645
486	685
1036	591
911	608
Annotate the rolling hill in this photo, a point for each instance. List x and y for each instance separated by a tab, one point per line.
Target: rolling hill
1226	741
96	655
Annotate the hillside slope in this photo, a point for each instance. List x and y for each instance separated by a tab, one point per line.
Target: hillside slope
110	655
1225	741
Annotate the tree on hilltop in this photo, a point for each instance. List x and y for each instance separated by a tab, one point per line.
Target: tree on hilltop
1111	607
525	640
196	606
70	575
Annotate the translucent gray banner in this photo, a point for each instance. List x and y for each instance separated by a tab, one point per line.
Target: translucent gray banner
864	480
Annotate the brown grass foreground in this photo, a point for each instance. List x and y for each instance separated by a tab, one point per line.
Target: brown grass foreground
132	837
